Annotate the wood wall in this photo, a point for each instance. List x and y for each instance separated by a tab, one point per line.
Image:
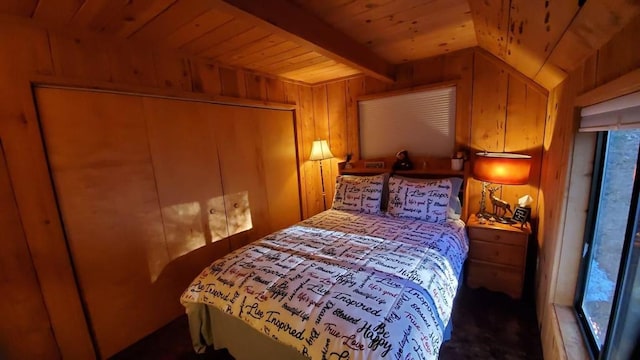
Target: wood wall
558	262
499	110
26	326
37	54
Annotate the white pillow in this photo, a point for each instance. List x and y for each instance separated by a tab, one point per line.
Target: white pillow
427	200
358	193
454	201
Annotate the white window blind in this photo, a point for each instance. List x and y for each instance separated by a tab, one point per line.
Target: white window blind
620	113
422	123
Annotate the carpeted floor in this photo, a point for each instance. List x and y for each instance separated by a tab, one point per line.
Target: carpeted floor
486	325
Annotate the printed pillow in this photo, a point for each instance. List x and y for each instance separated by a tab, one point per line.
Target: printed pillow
358	193
427	200
454	201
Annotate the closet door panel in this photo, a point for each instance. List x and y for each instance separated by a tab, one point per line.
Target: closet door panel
187	170
104	181
152	190
258	161
239	218
280	167
238	139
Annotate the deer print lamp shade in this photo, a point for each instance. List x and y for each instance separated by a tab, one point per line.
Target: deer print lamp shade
503	169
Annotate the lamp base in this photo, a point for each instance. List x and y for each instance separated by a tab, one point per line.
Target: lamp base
486	216
505	220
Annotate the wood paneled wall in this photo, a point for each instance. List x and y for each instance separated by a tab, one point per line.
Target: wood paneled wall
498	109
558	265
25	321
28	54
37	54
508	115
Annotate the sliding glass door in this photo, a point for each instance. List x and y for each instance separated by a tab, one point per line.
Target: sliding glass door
608	296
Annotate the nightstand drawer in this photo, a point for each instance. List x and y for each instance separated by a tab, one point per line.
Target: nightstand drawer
497	253
495	277
503	237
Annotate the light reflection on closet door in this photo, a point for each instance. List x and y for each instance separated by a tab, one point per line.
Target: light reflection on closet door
185	162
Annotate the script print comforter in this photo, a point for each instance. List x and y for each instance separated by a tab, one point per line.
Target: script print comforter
342	285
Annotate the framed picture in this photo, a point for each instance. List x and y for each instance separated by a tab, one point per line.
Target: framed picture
521	214
374	164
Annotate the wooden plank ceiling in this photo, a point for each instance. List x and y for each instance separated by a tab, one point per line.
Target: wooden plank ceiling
314	41
546	39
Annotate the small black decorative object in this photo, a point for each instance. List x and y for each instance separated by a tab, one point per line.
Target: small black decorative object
347	164
402	162
521	215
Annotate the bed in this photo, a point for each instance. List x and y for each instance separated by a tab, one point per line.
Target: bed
352	282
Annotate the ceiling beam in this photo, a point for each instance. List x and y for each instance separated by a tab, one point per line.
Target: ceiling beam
594	25
296	24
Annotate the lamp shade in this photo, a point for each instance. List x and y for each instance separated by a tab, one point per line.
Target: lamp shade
320	150
502	168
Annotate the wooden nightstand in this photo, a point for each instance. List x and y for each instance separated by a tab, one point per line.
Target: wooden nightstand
497	256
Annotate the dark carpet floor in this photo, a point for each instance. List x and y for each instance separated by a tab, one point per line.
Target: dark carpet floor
486	325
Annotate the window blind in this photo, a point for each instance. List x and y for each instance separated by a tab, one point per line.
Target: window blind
620	113
422	123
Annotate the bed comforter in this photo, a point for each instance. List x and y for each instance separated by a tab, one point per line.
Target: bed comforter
342	285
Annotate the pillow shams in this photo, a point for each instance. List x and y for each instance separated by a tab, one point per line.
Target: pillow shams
427	200
454	201
358	193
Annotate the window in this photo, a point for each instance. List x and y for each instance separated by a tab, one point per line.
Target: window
421	122
608	291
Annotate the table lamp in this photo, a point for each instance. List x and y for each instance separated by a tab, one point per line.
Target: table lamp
501	169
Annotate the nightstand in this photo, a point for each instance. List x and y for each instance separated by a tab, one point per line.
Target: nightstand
497	256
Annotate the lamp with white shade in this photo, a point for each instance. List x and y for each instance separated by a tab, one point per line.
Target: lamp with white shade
320	151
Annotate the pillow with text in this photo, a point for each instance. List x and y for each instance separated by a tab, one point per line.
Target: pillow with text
428	200
358	193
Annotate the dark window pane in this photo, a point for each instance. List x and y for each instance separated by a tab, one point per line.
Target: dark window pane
610	227
626	339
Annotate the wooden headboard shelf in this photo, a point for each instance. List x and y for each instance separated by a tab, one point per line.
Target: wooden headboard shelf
422	167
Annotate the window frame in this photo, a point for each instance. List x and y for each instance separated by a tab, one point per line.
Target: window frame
587	256
585	262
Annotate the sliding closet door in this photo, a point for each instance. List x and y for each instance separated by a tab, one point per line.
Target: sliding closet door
259	170
187	171
104	181
149	191
280	166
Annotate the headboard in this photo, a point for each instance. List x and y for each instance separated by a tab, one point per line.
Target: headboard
423	167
